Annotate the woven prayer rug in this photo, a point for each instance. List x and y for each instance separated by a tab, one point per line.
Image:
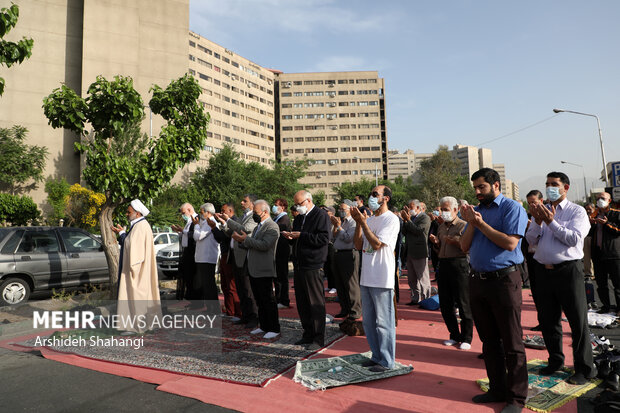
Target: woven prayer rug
320	374
228	354
546	393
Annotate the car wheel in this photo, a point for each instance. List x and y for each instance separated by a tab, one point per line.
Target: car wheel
170	274
14	291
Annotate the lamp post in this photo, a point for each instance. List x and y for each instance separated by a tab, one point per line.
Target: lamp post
600	136
585	191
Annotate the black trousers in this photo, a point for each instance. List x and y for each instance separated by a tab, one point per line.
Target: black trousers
185	278
281	281
562	289
205	287
496	308
531	271
453	284
262	290
328	267
244	291
347	279
310	298
605	270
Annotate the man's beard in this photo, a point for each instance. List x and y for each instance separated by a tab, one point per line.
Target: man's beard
487	198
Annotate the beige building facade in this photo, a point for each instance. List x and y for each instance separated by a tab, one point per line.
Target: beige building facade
401	164
336	121
77	40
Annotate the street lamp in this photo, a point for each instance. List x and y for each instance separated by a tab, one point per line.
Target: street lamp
600	135
585	191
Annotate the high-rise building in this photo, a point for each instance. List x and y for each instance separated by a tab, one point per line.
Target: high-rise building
75	41
515	192
239	95
401	164
336	121
472	158
501	170
508	192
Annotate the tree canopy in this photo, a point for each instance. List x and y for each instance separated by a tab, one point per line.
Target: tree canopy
21	165
11	52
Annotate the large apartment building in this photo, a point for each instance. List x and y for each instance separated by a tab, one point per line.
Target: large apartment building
401	164
239	96
336	121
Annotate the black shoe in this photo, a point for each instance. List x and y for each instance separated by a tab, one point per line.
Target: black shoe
549	369
577	378
378	369
612	382
252	324
480	356
413	302
341	315
313	346
512	408
368	363
604	310
536	328
303	341
488	398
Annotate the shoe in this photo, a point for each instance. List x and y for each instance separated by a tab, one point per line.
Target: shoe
480	356
449	342
512	408
303	341
332	291
577	378
603	310
341	315
234	319
271	334
282	306
536	328
413	302
465	346
378	369
257	331
488	398
612	382
549	369
368	363
313	347
593	373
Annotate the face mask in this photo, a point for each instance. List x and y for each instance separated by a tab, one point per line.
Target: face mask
436	213
373	203
274	210
342	214
446	216
185	218
256	217
601	203
302	210
553	193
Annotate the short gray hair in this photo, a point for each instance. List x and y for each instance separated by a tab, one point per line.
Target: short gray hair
308	195
415	202
208	207
451	200
263	204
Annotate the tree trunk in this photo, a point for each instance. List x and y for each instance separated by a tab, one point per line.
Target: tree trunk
110	245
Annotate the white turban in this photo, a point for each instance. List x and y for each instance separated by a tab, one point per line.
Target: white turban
139	207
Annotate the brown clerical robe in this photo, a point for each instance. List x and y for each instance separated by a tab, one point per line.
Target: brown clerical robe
138	293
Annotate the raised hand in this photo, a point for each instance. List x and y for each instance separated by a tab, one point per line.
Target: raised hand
239	237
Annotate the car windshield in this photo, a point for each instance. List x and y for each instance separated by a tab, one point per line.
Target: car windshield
4	232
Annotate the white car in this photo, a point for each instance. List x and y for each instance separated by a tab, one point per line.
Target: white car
164	239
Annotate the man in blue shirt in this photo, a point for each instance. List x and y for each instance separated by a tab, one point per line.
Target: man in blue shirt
493	239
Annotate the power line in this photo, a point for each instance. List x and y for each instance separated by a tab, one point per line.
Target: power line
518	130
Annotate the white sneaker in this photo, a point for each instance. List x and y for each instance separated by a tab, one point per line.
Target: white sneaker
449	343
282	306
332	291
257	331
271	334
465	346
233	319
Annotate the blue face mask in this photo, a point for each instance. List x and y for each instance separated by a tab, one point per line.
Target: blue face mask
553	193
373	203
274	210
186	218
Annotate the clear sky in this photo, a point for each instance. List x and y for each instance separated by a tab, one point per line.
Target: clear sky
465	72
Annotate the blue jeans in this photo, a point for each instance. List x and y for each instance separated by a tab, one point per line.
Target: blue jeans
379	323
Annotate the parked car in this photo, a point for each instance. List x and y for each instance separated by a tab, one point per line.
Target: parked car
43	258
168	260
164	239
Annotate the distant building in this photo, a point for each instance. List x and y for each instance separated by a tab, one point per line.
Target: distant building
401	164
501	170
472	158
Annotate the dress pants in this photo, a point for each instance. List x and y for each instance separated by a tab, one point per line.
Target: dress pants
560	290
605	270
205	286
281	281
531	270
453	284
328	267
419	278
262	290
244	291
587	256
232	305
346	272
496	308
187	270
310	297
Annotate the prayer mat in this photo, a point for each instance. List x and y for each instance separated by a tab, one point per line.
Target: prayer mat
229	353
546	393
320	374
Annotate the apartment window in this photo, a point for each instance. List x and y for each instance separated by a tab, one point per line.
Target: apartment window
192	58
286	105
297	83
345	172
286	94
332	150
319	161
286	117
299	128
343	103
192	72
287	139
343	115
287	128
299	151
345	149
297	94
299	139
342	81
192	44
361	81
332	138
343	92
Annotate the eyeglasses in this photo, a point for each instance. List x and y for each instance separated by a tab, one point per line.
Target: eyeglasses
375	194
302	202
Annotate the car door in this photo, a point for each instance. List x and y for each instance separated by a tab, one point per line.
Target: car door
86	262
39	254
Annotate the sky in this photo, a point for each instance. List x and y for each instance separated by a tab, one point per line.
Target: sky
457	72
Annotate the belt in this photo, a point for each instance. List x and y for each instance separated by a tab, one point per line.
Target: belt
349	250
558	266
494	275
452	258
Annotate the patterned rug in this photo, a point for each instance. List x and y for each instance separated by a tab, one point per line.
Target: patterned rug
229	354
546	393
320	374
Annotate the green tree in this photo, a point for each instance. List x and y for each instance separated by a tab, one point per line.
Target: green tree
112	109
10	52
21	165
57	193
439	177
402	190
18	210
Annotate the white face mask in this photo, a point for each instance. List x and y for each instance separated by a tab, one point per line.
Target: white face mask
447	216
602	203
302	210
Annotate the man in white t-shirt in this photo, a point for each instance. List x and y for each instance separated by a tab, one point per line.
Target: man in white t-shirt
376	237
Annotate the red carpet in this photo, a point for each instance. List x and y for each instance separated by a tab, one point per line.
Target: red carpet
443	379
